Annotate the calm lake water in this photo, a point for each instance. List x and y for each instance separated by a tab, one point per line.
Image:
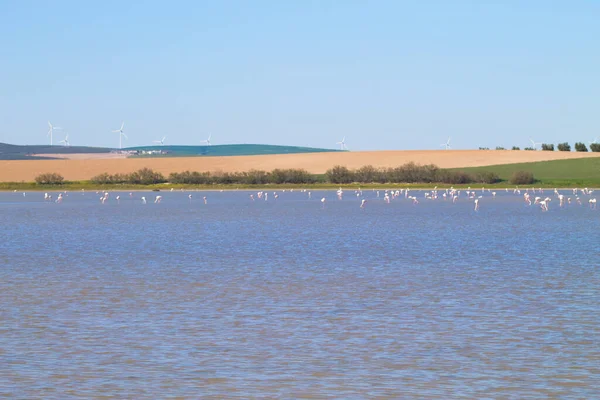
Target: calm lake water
293	298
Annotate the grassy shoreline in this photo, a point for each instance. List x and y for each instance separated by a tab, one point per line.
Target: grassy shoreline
78	186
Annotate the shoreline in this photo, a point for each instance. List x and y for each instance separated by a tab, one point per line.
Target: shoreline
212	188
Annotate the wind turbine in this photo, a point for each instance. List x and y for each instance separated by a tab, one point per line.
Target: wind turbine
533	143
593	141
161	142
446	145
342	144
121	134
65	141
207	141
51	131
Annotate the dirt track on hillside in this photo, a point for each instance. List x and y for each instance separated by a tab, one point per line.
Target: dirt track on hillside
82	168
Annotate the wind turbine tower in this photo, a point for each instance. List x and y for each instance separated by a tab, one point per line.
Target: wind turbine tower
342	144
121	134
51	131
65	141
207	141
446	145
161	142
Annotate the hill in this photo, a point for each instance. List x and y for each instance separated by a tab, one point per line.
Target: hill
24	152
225	150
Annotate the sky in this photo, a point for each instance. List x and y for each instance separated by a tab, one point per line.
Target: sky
384	74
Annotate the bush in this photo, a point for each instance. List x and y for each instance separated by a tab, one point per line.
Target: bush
453	177
486	177
580	147
529	149
516	148
145	176
290	176
564	146
595	147
102	179
484	148
522	178
50	178
368	174
500	148
339	174
547	147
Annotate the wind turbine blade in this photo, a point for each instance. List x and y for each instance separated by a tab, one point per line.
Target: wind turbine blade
122	125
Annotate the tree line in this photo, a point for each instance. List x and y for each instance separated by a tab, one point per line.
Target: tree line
565	146
407	173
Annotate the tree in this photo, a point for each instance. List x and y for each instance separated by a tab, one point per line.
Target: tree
339	174
595	147
50	178
580	147
564	146
547	147
522	178
516	148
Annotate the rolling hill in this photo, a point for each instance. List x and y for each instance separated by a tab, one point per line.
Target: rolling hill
227	150
24	152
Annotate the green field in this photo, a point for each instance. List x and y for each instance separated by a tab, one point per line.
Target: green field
572	173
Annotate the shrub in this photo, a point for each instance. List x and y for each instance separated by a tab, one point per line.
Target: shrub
101	179
339	174
256	177
529	148
145	176
453	177
500	148
595	147
368	174
547	147
522	178
190	178
580	147
50	178
484	148
290	176
486	177
564	146
516	148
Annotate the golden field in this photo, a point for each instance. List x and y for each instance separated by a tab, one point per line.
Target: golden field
83	167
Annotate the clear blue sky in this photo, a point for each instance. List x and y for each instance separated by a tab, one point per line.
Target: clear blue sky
385	74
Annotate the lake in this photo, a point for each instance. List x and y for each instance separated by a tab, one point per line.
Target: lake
296	298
